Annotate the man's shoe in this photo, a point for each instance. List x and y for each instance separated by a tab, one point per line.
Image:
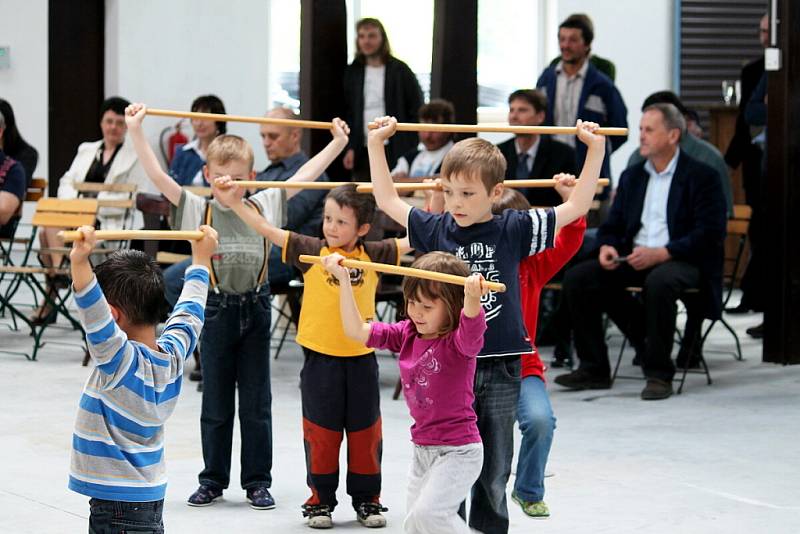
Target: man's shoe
196	375
205	496
561	363
369	514
756	332
537	510
260	498
319	515
657	389
579	380
741	309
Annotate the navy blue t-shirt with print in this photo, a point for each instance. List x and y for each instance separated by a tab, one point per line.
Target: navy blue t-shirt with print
493	249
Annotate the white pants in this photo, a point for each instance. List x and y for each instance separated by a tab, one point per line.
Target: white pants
439	480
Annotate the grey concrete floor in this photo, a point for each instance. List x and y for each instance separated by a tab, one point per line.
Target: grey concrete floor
720	458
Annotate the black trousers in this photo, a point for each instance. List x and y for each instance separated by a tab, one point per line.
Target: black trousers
648	322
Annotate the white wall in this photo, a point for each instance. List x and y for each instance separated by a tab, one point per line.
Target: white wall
638	37
24	84
167	53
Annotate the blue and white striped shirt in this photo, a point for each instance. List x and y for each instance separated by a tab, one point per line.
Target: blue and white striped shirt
118	442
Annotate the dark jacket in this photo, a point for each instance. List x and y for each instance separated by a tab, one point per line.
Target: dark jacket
599	102
552	157
696	218
402	96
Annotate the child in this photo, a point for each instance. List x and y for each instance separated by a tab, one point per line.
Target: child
437	343
472	179
534	412
118	443
235	340
339	381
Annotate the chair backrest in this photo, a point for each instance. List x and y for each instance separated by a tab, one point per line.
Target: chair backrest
738	225
94	187
36	190
58	213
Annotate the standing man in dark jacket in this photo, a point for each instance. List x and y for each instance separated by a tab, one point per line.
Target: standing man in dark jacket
665	233
377	84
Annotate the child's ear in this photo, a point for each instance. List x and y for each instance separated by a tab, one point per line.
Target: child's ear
252	174
364	229
115	313
497	192
205	173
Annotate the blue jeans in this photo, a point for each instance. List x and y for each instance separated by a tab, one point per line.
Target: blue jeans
118	517
537	423
235	352
173	281
497	384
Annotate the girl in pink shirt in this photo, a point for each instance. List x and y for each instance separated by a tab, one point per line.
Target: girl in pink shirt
438	344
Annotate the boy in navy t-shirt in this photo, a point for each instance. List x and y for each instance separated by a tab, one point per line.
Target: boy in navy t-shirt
492	245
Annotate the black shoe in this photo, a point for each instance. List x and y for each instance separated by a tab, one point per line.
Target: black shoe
579	380
205	496
657	389
741	309
43	316
260	498
369	514
559	363
196	375
756	332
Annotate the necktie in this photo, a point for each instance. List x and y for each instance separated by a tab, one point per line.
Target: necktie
522	166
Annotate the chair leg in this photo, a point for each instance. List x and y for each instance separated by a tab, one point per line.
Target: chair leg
619	359
738	354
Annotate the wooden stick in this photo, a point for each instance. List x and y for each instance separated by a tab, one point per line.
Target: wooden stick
404	271
475	128
125	235
316	125
432	186
252	184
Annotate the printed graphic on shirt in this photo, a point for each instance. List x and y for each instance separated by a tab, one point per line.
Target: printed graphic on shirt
417	391
356	278
482	260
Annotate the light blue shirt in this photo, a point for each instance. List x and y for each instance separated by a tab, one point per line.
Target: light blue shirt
654	231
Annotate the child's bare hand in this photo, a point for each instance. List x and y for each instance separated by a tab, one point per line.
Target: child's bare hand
203	249
587	135
226	191
565	183
386	126
434	198
134	115
333	264
83	246
339	129
475	286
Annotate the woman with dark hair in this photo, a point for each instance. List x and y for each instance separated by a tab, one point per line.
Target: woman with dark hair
187	166
376	84
12	143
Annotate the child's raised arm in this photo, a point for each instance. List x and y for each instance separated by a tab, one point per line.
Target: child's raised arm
82	273
134	115
383	186
474	288
313	168
354	326
580	200
231	195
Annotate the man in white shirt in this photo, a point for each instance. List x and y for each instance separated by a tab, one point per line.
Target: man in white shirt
427	162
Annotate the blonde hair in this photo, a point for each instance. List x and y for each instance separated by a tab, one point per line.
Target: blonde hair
475	157
451	294
226	148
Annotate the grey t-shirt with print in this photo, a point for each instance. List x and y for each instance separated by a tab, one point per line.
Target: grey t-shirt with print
241	254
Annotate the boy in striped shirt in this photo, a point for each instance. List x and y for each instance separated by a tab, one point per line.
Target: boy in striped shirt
118	441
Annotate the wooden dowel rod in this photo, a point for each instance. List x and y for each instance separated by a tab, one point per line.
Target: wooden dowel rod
316	125
475	128
252	184
368	188
404	271
125	235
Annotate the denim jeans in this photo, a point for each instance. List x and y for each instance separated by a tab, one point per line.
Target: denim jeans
235	352
497	384
173	281
118	517
537	423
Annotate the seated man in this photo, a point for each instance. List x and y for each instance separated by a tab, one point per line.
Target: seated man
665	232
534	156
693	146
12	188
418	163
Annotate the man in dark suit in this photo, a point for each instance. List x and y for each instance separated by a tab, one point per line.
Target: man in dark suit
534	156
665	233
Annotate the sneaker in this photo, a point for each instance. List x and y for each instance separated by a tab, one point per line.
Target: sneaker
369	514
260	498
657	389
578	380
205	496
536	510
319	515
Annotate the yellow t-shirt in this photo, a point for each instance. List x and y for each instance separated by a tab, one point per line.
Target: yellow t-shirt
320	327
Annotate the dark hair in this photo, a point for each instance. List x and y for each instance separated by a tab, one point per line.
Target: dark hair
534	97
451	294
437	110
385	51
211	104
132	282
582	22
362	204
117	104
511	199
13	143
665	97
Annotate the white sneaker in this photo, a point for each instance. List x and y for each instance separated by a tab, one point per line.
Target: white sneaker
369	514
